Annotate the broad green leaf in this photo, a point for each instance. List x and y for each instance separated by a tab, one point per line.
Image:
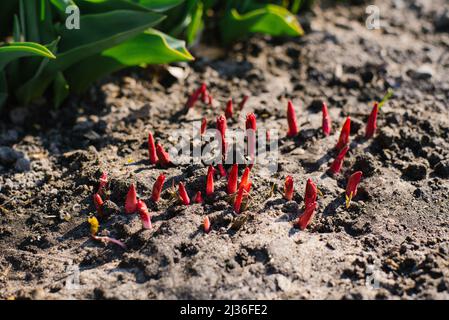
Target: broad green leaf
3	89
160	5
16	50
270	19
31	22
196	24
99	6
63	4
150	47
60	89
98	32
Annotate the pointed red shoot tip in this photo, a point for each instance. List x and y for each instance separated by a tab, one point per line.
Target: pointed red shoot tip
232	179
222	170
145	216
291	119
210	181
288	188
221	127
103	183
198	197
371	125
305	219
183	194
98	202
351	187
163	156
338	162
152	149
206	224
243	102
131	200
157	188
311	193
203	125
343	140
327	124
251	121
229	110
243	190
244	182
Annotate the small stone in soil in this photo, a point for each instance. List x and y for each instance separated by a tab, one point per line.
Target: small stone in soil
442	169
8	155
22	165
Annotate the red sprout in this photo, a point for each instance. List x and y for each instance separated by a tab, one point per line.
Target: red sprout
198	197
311	193
204	94
152	149
338	162
195	95
239	198
222	170
210	181
209	98
243	102
244	182
206	224
221	127
157	188
131	199
292	122
372	122
142	209
103	183
251	121
288	188
164	157
343	140
251	134
326	120
228	111
183	194
232	180
267	136
351	188
98	202
305	219
203	126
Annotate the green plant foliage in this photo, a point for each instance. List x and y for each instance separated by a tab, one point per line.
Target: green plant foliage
40	55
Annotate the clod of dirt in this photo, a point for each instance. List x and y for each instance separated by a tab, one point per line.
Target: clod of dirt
110	208
442	169
22	165
365	163
415	171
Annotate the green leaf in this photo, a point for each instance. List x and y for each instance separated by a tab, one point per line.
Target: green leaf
15	50
270	19
31	20
60	89
160	5
196	25
98	32
150	47
100	6
62	4
387	96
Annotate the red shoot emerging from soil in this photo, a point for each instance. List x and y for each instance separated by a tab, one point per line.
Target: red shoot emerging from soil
251	121
98	202
239	198
288	188
164	157
343	140
142	209
157	188
311	193
221	127
131	200
210	181
243	102
351	188
326	120
228	111
198	197
222	170
305	219
372	122
338	162
203	126
206	224
183	194
195	96
292	122
232	180
152	149
245	183
103	183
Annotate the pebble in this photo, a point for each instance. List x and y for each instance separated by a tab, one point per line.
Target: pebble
442	169
22	165
441	21
424	72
